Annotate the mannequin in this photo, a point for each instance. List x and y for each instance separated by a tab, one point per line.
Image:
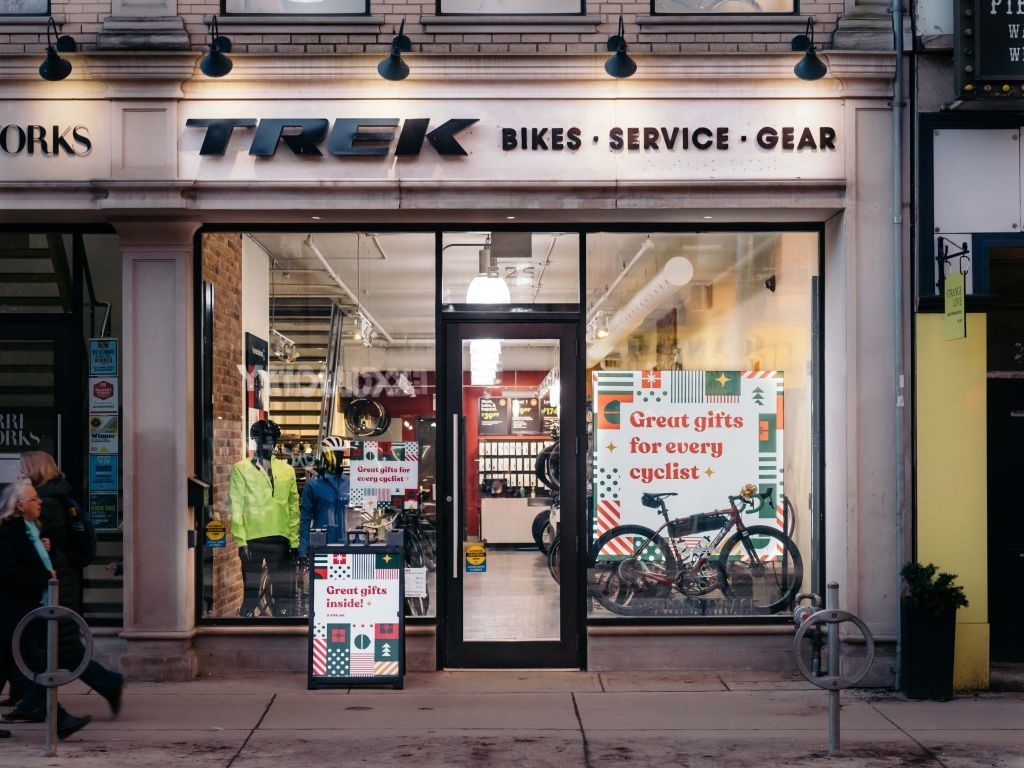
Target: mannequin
264	500
325	497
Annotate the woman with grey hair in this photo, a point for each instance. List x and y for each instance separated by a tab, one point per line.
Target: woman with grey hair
25	571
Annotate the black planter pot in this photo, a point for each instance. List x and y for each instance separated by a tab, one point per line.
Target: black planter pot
928	642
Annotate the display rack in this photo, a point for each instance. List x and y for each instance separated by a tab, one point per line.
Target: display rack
510	460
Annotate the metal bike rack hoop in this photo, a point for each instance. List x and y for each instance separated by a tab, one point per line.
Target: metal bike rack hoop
60	676
834	616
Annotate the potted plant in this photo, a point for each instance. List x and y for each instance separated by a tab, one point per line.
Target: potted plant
928	606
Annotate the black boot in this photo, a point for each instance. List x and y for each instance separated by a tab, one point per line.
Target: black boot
67	724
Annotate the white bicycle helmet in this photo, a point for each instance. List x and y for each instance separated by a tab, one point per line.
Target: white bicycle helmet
332	454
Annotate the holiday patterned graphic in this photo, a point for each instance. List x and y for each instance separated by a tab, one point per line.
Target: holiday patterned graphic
356	613
701	434
381	471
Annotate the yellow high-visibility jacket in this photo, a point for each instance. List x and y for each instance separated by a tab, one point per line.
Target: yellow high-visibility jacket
259	509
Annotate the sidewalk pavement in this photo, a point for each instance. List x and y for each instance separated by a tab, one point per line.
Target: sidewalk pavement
526	719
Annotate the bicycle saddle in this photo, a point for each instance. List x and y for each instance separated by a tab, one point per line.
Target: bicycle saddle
653	500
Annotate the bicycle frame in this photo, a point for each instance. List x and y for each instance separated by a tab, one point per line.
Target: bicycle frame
736	505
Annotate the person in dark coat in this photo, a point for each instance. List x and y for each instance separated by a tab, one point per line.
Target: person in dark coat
25	572
55	492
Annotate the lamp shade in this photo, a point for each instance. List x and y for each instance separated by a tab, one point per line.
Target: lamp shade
54	68
810	67
488	290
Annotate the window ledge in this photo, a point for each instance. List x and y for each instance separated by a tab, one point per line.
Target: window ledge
42	20
775	23
259	23
510	23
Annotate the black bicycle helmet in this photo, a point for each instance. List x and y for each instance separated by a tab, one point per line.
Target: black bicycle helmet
265	430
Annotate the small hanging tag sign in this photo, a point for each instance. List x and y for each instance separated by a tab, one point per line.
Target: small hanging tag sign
956	317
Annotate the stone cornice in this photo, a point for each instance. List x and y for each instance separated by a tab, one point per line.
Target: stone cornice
174	75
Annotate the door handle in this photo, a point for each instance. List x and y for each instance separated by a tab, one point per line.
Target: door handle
456	516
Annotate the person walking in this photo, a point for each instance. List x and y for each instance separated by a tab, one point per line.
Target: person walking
25	572
54	491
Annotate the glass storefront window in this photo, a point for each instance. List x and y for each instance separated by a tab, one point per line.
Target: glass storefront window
298	7
674	7
329	335
532	270
700	354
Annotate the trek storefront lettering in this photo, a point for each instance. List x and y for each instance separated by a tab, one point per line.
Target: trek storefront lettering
45	140
349	137
362	137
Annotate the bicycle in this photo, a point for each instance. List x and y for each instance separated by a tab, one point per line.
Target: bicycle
418	544
631	567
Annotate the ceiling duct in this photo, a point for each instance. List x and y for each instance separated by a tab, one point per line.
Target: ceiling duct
676	273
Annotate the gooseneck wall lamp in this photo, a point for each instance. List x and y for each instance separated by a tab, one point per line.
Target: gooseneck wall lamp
393	68
810	67
56	68
215	63
619	65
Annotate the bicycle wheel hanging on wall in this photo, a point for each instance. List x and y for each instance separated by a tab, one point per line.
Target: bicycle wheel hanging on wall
366	417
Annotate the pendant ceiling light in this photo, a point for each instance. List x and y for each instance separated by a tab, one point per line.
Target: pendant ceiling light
488	287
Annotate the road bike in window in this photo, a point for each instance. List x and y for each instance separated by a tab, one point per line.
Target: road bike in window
633	569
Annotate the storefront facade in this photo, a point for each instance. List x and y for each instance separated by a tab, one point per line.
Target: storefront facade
720	215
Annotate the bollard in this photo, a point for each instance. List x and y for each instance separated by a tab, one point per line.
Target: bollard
833	681
52	677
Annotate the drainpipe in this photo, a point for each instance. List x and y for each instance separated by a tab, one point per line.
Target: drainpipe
897	257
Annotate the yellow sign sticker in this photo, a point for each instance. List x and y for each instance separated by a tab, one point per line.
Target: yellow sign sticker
476	557
215	530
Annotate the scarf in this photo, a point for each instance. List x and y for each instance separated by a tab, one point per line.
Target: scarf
33	533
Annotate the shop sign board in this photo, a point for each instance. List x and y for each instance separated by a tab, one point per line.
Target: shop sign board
954	307
989	48
492	416
701	434
103	472
582	140
525	413
102	357
356	616
103	394
104	433
103	511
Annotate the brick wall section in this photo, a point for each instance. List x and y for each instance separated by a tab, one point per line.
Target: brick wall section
84	21
222	266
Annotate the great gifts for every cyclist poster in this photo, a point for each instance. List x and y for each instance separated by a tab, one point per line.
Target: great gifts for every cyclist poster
701	434
383	471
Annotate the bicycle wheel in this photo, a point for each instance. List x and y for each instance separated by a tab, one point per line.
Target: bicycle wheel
622	577
415	606
555	559
542	531
426	538
765	568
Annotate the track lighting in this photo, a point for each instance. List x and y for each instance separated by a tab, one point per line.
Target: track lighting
619	65
55	68
215	63
393	68
810	67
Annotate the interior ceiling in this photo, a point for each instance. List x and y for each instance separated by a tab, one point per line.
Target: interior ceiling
389	276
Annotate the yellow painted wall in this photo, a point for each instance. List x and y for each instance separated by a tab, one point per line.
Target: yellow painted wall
951	478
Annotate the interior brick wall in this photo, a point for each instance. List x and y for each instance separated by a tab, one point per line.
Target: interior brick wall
222	267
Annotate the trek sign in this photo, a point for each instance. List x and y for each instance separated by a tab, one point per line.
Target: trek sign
359	137
494	140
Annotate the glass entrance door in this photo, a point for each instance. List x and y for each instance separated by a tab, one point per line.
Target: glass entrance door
512	503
